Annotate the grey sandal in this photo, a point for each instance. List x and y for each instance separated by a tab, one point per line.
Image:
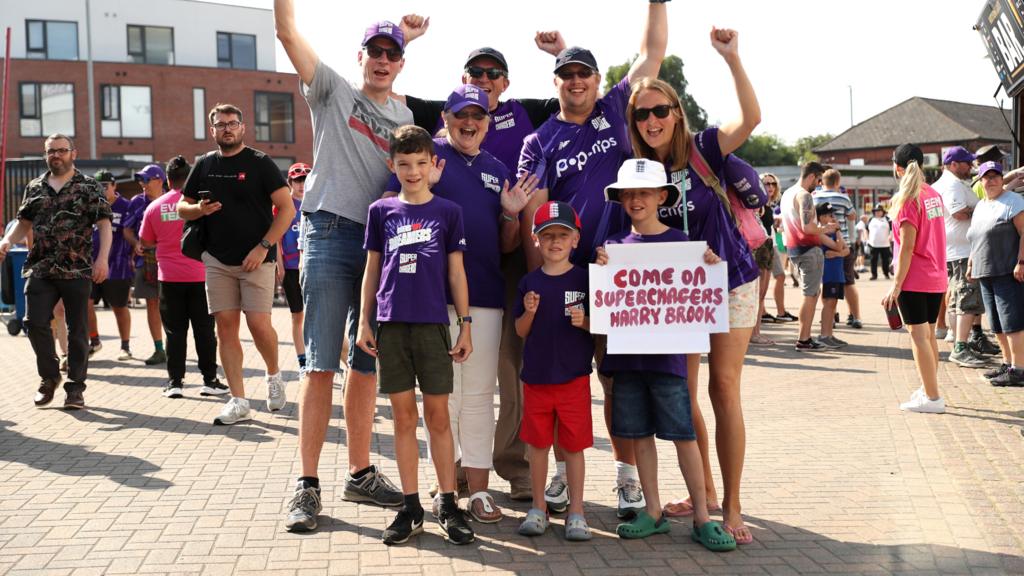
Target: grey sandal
576	528
535	523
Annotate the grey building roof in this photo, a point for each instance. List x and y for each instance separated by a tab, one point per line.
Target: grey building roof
921	121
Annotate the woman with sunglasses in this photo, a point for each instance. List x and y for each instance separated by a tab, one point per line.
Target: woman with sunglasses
659	130
769	218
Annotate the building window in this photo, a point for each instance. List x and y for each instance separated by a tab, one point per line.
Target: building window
51	40
199	113
46	109
236	50
125	112
274	118
150	45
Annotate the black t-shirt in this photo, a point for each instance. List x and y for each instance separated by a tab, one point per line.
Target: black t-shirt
243	184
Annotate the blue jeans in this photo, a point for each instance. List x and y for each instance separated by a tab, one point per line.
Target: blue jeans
1003	296
331	276
648	404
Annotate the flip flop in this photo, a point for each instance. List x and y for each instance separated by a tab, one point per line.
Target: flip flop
682	508
761	340
711	535
734	532
642	526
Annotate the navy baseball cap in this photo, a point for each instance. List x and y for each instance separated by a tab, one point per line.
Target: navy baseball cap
555	213
576	55
385	29
488	52
824	208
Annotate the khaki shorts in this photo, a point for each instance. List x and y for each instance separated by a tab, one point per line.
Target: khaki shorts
964	296
407	353
231	288
743	305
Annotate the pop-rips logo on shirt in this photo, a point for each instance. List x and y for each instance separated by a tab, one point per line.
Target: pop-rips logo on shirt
574	300
581	157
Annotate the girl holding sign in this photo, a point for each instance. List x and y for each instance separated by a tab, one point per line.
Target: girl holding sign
659	131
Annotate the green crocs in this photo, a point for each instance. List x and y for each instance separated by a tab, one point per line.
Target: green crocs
713	537
642	526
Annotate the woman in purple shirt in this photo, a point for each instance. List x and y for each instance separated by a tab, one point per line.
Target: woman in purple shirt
658	130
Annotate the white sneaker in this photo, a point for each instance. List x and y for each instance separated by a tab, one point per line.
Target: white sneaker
556	495
921	403
950	336
236	410
276	398
631	498
125	355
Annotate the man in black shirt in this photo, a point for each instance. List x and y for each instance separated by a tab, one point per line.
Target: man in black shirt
235	190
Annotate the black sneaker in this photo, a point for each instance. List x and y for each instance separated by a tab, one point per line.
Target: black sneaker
405	525
303	509
213	388
173	388
980	344
373	487
75	397
996	371
456	529
808	345
1012	377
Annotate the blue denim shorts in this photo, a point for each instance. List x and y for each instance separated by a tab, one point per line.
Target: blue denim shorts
331	276
1002	296
651	404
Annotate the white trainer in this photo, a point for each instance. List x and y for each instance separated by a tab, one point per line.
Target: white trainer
921	403
276	398
236	410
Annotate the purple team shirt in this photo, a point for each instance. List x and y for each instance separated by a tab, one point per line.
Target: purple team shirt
476	189
414	241
290	239
707	216
133	219
555	351
120	260
575	162
674	364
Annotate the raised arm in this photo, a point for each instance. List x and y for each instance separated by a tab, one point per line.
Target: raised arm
299	50
733	134
550	42
652	48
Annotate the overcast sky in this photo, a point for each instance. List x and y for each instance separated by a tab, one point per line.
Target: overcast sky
803	56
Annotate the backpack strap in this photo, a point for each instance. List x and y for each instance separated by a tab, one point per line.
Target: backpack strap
701	167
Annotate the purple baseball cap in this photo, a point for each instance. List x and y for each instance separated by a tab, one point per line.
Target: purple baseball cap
956	154
385	29
466	95
151	172
989	167
746	181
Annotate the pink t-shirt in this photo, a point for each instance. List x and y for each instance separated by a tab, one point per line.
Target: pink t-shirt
161	225
928	264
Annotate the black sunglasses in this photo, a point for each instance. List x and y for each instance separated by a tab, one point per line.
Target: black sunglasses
492	73
582	74
374	51
660	111
474	114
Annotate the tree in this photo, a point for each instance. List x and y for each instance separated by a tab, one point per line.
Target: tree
767	150
804	147
671	72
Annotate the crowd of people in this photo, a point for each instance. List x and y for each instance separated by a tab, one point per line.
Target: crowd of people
444	244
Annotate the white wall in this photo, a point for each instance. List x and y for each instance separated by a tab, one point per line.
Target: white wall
195	26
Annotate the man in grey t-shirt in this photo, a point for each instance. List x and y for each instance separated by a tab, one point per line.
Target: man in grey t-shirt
351	126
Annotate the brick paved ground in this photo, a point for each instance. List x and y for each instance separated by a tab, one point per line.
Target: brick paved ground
837	480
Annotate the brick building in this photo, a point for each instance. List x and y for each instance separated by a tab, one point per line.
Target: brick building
934	125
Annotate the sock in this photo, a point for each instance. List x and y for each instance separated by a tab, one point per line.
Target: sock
159	345
411	502
448	503
560	469
959	346
362	472
625	472
309	482
976	331
269	375
124	345
302	360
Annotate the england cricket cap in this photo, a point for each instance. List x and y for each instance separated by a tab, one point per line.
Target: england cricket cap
555	214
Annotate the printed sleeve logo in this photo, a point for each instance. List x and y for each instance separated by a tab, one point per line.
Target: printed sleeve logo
490	182
574	301
600	123
505	121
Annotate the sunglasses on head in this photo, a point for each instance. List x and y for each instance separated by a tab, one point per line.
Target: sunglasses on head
660	111
582	74
374	51
492	73
475	114
300	173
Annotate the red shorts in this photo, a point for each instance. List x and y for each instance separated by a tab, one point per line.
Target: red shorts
569	403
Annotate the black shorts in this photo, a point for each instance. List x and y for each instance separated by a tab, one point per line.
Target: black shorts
115	292
920	307
833	290
292	290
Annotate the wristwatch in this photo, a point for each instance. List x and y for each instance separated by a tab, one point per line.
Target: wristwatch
460	320
266	245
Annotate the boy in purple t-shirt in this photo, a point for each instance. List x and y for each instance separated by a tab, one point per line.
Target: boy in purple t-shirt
288	259
551	316
414	245
649	390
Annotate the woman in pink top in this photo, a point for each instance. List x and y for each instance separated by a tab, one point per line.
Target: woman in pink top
920	237
182	289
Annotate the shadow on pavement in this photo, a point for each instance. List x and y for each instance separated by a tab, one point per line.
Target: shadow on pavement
72	460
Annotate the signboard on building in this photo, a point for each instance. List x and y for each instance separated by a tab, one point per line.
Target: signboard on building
1002	29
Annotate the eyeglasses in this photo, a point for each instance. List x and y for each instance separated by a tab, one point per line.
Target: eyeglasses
474	114
770	183
57	151
660	111
582	74
221	126
492	73
374	51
